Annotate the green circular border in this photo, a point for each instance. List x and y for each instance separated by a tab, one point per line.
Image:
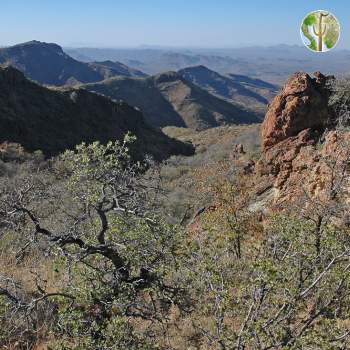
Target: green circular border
302	34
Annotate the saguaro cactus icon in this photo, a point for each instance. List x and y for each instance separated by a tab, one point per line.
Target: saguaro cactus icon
321	30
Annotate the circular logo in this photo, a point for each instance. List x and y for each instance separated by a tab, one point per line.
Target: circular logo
320	31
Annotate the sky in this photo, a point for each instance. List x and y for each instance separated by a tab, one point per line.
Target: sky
172	23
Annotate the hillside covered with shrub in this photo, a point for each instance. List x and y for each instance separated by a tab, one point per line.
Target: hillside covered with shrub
200	252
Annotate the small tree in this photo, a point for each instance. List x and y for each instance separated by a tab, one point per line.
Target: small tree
113	254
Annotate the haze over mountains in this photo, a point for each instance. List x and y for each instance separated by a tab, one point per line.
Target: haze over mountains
195	97
273	64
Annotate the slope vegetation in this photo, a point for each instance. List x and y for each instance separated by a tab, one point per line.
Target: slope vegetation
170	100
51	120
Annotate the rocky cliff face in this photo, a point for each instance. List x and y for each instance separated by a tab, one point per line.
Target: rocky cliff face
300	105
303	158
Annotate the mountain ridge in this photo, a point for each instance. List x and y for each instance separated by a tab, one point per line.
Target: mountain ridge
48	64
252	93
273	63
53	120
167	99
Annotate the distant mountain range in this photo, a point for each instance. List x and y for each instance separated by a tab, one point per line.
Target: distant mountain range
53	120
194	97
48	64
169	99
273	64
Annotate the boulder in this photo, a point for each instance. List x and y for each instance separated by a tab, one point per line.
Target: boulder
301	104
304	159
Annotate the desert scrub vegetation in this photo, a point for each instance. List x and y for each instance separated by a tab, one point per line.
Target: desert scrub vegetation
213	146
114	255
281	283
339	101
90	260
277	293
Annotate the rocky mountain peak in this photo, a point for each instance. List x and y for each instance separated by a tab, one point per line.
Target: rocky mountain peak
301	104
36	46
295	158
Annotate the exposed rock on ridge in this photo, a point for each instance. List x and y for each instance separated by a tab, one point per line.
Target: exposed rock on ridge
298	145
301	104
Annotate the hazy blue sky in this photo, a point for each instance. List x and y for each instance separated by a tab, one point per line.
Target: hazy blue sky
200	23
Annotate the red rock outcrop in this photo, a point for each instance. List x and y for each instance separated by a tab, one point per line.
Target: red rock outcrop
300	156
278	160
300	105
